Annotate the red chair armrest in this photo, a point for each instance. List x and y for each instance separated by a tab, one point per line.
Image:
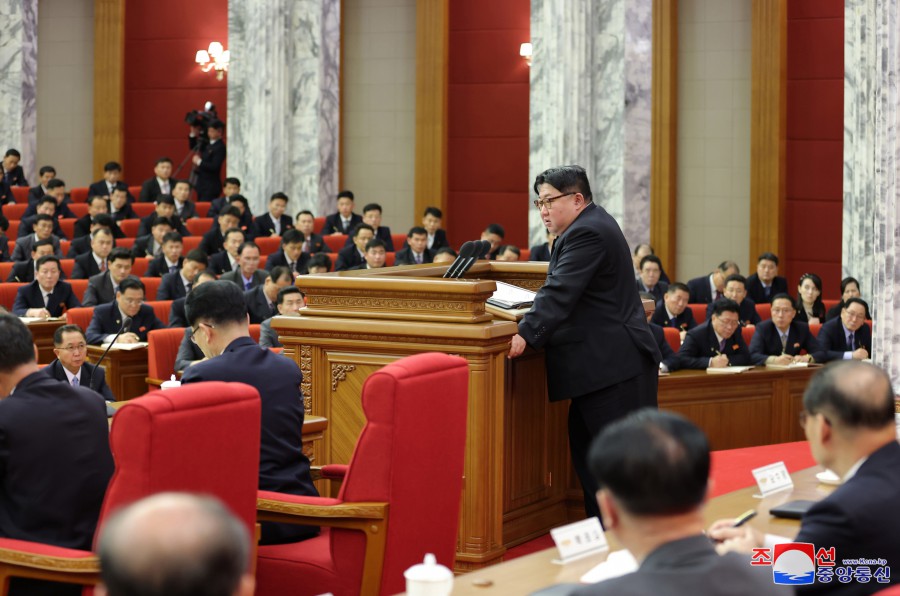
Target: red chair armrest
334	471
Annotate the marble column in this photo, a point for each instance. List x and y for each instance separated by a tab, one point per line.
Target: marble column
284	100
590	102
18	83
871	217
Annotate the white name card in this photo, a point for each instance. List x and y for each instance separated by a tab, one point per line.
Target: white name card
577	540
772	479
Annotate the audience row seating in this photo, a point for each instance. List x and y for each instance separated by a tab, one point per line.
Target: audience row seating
163	349
763	310
674	337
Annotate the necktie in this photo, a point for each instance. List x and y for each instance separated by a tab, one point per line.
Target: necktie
722	346
247	285
767	290
102	265
294	267
74	381
718	294
346	225
173	269
46	299
674	322
418	259
305	247
189	286
164	187
783	342
850	341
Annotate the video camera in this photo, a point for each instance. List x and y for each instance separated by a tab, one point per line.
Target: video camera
202	119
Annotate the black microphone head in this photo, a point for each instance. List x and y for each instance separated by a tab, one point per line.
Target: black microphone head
126	324
484	249
468	249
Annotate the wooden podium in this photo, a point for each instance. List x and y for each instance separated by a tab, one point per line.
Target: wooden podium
516	454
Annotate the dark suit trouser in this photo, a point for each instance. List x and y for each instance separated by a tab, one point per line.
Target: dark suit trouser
591	413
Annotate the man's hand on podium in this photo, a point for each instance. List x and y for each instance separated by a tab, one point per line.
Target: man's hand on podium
516	346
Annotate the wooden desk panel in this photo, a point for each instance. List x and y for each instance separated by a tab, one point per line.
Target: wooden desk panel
126	371
42	332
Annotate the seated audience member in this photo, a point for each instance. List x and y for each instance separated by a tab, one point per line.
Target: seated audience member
47	206
12	172
177	284
290	254
736	289
262	299
94	262
102	288
319	263
232	187
214	239
217	313
23	271
160	184
781	339
509	253
444	254
431	221
344	221
312	242
648	281
716	343
119	206
494	234
165	208
247	275
673	310
185	208
108	318
275	222
82	245
849	337
42	230
372	216
71	366
112	181
289	302
849	289
809	305
177	317
151	244
766	282
97	205
669	362
170	258
653	471
541	252
226	259
416	250
848	419
175	544
56	188
375	255
55	455
46	173
641	251
352	256
6	195
46	296
240	202
4	240
709	288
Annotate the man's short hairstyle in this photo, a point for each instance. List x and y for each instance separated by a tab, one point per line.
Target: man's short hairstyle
375	243
372	207
13	153
637	249
854	394
433	211
647	296
172	237
120	253
166	199
725	305
42	217
93	198
855	300
783	296
565	179
55	183
112	166
181	181
651	258
48	259
198	255
417	230
201	274
231	231
726	265
104	220
304	212
217	124
133	283
233	181
736	277
47	200
292	236
241	198
220	302
495	228
232	211
16	343
58	334
677	286
768	256
509	248
279	195
445	250
285	291
163	160
320	260
362	226
101	231
280	271
47	170
652	462
39	243
247	244
846	282
345	193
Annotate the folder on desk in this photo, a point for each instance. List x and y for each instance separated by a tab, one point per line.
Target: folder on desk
510	297
727	370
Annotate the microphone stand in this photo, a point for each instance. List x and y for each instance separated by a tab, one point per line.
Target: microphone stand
126	325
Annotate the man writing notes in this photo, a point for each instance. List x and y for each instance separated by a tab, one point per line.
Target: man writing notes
600	353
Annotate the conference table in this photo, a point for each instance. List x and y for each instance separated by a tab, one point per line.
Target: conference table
535	571
42	332
126	370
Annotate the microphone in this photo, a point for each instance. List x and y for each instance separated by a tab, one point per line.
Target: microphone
485	249
466	250
481	246
126	326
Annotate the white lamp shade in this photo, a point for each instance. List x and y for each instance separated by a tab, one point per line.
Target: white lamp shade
202	57
525	50
215	49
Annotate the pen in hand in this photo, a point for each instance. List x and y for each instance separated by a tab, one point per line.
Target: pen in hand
744	518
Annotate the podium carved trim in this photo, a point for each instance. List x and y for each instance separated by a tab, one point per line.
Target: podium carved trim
339	373
306	383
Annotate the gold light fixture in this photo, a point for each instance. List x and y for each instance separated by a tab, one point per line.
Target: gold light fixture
216	57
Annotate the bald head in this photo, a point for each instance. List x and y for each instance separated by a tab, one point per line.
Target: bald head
175	544
853	395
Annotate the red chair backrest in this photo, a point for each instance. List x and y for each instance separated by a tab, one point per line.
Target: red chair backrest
829	304
79	195
79	287
202	207
5	269
68	227
134	191
67	265
13	230
525	254
199	225
318	224
64	246
814	329
143	209
268	244
125	243
262	261
15	210
747	332
8	293
764	311
151	285
399	240
78	209
389	259
80	316
130	227
336	242
139	268
162	308
254	332
21	194
673	337
162	351
409	423
189	243
699	312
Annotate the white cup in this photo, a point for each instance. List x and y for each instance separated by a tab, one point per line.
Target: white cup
172	383
428	578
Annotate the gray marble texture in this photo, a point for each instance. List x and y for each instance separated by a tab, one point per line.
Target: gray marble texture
18	81
283	100
871	216
638	76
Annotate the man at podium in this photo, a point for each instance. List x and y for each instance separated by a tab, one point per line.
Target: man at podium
588	316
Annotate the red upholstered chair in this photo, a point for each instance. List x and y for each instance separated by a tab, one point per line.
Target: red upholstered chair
134	191
202	207
8	293
143	209
21	194
764	311
64	246
124	243
13	230
139	268
199	225
130	227
526	254
162	308
268	244
748	332
262	261
15	210
68	227
5	270
673	337
68	266
407	468
318	224
399	240
699	312
814	329
189	243
829	304
254	332
80	316
336	242
79	287
176	440
79	195
151	284
78	209
389	259
161	352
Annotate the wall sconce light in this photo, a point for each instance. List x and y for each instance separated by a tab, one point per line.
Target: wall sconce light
216	57
525	52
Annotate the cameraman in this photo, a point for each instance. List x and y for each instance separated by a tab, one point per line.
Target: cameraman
209	159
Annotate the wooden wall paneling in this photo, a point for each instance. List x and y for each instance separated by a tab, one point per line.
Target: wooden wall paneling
109	82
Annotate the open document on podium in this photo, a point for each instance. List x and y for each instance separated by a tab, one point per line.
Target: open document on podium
510	297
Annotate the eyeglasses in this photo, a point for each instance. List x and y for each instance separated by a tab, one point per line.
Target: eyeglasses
782	311
853	316
194	330
729	322
73	349
133	301
541	203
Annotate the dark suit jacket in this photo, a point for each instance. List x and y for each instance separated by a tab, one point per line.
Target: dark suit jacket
258	305
259	278
22	252
700	345
100	290
188	211
177	317
126	212
263	226
83	228
278	259
35	193
4	248
101	189
6	195
209	172
61	210
23	272
108	320
55	462
334	224
405	257
15	177
85	266
854	521
317	244
212	241
833	339
658	291
216	206
61	299
541	252
348	258
188	351
700	290
282	465
756	291
383	233
747	314
268	337
767	342
150	190
146	225
690	566
26	226
588	314
158	267
54	370
683	321
141	247
79	246
835	312
669	357
171	287
219	263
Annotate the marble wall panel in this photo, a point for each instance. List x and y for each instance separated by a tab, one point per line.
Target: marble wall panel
18	80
